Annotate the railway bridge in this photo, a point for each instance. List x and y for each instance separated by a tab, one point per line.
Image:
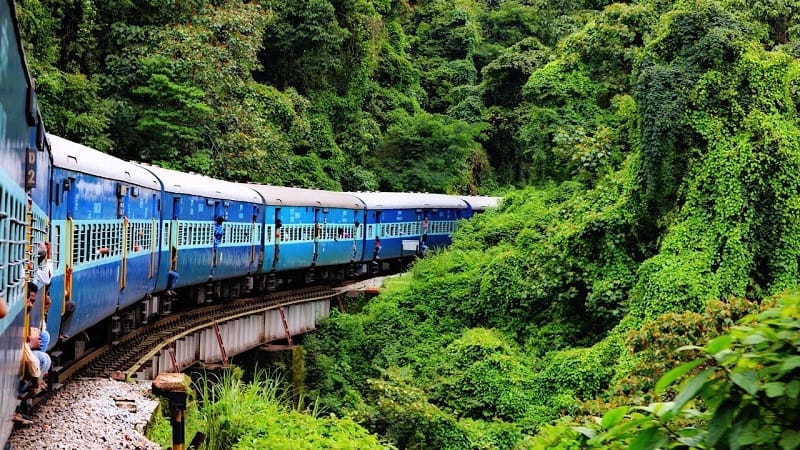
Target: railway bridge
214	334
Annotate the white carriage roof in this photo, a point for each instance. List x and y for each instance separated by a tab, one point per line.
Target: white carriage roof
408	200
480	202
195	184
80	158
279	195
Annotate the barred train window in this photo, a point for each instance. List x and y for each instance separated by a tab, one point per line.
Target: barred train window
55	247
165	237
139	236
183	234
12	243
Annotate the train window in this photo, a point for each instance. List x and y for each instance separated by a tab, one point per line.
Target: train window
165	237
79	249
239	234
183	234
138	236
12	243
190	234
55	247
231	233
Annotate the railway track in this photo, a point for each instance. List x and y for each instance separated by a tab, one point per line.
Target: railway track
134	349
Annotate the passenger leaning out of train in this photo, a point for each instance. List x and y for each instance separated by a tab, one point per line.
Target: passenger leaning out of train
172	275
219	233
38	340
42	276
377	252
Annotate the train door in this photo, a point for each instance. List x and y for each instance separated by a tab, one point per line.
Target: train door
378	232
357	235
123	206
173	234
254	238
278	237
155	212
317	232
423	235
69	248
216	253
219	209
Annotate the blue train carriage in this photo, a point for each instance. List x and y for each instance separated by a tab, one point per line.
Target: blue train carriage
195	247
316	232
24	164
404	224
104	234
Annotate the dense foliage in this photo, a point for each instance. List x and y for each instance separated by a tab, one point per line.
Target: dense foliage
655	146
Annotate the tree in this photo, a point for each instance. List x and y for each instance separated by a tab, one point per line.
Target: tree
743	391
427	153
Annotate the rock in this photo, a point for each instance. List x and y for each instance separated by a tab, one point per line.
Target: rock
91	413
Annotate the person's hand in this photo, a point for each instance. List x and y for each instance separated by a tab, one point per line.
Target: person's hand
35	342
47	302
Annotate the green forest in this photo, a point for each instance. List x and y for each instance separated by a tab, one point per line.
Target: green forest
638	286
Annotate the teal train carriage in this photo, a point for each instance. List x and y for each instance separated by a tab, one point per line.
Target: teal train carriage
24	165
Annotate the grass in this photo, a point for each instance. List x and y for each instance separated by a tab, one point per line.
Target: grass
260	414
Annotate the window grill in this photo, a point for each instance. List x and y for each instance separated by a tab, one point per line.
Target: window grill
94	241
165	236
13	211
140	236
55	247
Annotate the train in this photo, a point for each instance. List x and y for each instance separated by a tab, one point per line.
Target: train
123	242
128	240
24	157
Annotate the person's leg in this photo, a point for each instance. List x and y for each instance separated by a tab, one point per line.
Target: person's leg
172	278
66	319
44	361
